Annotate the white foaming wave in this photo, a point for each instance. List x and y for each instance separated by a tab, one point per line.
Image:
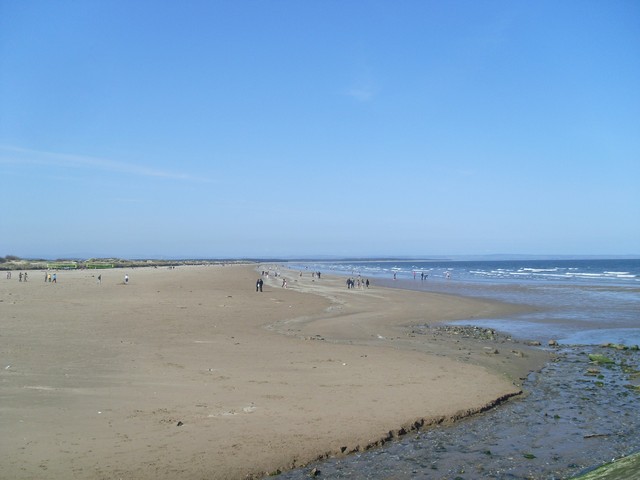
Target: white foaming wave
538	270
591	275
599	276
481	272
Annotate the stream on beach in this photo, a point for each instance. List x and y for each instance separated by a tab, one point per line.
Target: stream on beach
576	415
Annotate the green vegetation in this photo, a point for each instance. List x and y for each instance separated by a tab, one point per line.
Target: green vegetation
622	469
96	265
597	358
11	262
62	266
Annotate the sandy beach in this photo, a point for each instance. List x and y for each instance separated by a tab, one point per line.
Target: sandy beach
190	373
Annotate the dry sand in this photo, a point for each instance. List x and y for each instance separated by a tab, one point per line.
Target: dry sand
189	373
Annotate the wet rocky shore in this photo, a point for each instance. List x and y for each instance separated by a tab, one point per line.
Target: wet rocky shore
579	412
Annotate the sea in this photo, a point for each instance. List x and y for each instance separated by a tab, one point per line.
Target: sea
575	302
570	421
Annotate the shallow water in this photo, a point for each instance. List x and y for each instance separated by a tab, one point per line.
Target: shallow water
573	301
569	421
570	314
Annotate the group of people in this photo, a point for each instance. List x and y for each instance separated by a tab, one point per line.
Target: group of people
53	278
21	276
24	277
423	276
358	283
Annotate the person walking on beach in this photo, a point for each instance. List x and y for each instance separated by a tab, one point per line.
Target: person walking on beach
20	277
25	276
260	283
126	279
54	279
100	279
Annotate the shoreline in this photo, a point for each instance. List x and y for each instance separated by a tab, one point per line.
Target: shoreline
189	372
406	314
539	435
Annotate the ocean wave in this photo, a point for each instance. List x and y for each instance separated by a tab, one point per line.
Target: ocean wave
538	270
579	271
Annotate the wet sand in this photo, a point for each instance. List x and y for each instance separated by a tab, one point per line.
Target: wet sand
578	415
191	373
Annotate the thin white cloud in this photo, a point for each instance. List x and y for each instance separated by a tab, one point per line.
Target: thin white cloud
363	94
12	154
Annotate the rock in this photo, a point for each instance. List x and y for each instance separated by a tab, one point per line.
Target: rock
314	472
179	424
533	343
553	343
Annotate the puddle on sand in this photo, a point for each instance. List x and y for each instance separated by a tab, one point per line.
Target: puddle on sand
572	419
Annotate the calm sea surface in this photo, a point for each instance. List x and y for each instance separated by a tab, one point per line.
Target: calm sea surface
584	302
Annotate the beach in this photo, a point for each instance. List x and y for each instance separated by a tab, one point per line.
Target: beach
188	372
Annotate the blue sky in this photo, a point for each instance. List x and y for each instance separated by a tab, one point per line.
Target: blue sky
286	128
